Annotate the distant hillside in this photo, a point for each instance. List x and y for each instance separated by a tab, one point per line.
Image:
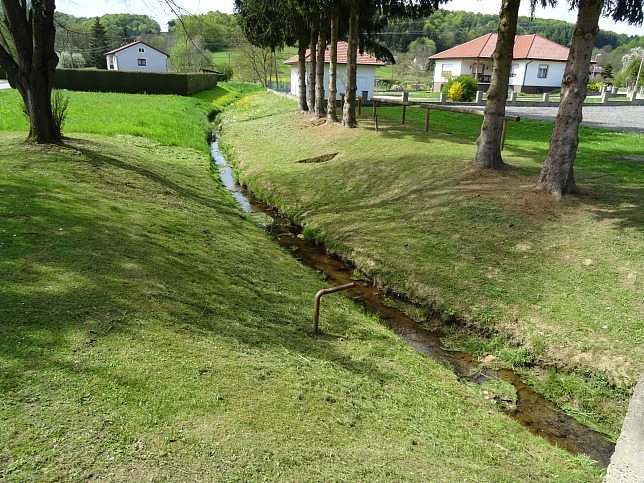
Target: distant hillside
447	29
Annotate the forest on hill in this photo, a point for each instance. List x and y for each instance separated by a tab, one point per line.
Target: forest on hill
193	41
447	29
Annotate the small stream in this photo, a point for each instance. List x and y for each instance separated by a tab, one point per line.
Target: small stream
533	411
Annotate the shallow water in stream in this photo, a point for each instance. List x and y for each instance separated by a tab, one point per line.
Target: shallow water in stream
533	411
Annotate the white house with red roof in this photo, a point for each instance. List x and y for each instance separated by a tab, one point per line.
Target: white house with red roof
366	73
538	63
137	56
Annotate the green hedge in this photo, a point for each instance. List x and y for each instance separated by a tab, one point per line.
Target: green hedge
131	82
3	74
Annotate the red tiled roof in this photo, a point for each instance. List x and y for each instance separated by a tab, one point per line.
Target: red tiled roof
525	47
343	47
127	46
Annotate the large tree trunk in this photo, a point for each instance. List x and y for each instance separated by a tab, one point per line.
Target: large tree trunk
313	69
349	110
557	173
489	143
301	57
319	74
332	115
31	70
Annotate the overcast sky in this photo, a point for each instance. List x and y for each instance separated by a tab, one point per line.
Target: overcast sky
162	13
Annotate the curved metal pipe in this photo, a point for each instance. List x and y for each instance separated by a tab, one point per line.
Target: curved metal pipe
316	301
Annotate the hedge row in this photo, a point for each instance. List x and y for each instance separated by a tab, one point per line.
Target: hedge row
131	82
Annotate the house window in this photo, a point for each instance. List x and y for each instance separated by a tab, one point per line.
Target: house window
141	62
515	67
543	71
141	49
446	70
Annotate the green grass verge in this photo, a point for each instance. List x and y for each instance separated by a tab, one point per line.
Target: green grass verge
151	332
562	281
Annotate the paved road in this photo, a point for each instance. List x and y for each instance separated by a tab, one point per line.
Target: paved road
4	84
619	118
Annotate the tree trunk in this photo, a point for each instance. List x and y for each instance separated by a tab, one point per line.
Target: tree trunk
319	74
37	99
332	115
489	143
301	54
31	65
349	110
557	173
313	69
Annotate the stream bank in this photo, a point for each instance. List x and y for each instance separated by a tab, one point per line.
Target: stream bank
534	412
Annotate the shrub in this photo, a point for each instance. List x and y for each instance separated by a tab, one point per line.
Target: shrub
468	84
456	92
594	86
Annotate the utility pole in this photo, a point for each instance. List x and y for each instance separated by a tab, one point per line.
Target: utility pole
637	81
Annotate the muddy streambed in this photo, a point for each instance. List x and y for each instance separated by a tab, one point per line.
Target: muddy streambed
533	411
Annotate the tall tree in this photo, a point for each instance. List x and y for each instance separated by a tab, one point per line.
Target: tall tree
349	110
98	45
319	74
366	18
27	56
557	175
273	24
332	115
489	143
313	63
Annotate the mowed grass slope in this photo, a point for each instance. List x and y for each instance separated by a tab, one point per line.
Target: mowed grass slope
562	281
149	331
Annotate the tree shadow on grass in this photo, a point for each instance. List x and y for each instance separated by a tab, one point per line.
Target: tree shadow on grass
84	266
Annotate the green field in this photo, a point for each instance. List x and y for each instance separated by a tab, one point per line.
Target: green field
559	282
151	332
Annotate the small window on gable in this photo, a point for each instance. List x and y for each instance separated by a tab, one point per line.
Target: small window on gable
543	71
141	49
141	62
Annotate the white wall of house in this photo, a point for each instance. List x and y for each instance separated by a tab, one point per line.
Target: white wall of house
544	74
365	81
456	67
138	57
524	73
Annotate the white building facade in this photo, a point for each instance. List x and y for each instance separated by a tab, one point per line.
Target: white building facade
538	64
137	56
365	76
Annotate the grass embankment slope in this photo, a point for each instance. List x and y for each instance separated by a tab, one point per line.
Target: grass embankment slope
561	281
151	332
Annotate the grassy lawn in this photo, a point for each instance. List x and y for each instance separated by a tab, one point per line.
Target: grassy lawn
560	282
151	332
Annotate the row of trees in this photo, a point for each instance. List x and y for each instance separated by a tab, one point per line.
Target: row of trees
313	22
27	41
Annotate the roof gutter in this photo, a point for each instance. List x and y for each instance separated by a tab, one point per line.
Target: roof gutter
525	72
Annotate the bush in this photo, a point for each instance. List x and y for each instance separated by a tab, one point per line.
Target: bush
456	92
594	86
469	85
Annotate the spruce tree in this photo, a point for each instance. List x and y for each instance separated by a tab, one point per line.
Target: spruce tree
98	45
